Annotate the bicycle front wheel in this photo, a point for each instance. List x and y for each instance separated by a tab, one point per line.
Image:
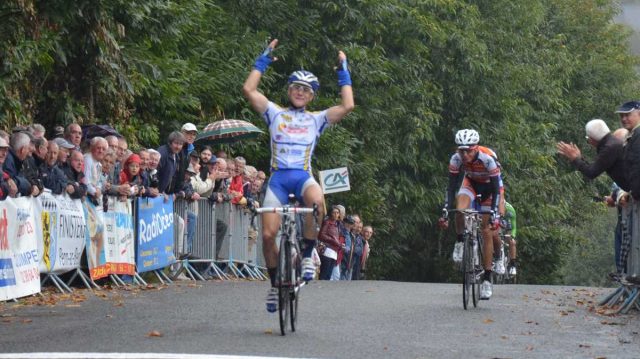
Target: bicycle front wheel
467	272
477	271
294	294
284	284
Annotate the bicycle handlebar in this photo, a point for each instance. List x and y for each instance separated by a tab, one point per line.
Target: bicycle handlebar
285	210
445	212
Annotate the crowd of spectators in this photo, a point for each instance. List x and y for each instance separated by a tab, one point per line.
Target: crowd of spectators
344	246
99	169
618	155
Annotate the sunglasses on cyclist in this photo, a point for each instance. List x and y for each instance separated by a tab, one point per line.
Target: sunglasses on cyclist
301	88
466	150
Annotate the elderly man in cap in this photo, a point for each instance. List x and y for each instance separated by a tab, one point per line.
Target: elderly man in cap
189	131
63	150
608	158
7	185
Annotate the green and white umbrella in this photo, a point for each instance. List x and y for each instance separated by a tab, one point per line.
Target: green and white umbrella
227	131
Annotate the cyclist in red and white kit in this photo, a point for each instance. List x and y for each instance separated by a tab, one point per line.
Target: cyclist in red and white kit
481	176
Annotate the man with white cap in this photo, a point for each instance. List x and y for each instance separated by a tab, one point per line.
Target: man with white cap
608	158
190	131
7	186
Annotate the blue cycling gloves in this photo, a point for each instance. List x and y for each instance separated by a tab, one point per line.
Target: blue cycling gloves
263	61
344	77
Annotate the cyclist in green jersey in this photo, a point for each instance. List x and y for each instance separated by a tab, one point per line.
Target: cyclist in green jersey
510	236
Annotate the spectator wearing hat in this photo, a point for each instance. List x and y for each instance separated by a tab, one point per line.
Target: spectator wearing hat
63	150
609	151
169	163
75	176
73	135
131	175
19	151
189	131
8	187
630	120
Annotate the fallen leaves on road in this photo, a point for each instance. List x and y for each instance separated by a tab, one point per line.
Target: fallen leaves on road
268	331
605	322
154	333
27	320
488	321
504	337
529	348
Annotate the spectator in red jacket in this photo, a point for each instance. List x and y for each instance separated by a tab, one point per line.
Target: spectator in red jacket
330	236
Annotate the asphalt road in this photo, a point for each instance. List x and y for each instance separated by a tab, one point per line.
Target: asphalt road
365	319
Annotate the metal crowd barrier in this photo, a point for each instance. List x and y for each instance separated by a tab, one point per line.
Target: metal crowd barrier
236	255
627	295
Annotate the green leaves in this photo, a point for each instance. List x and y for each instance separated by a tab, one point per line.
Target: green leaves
524	74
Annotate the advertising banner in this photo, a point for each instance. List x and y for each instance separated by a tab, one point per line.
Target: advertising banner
63	230
109	239
119	232
154	234
19	259
335	180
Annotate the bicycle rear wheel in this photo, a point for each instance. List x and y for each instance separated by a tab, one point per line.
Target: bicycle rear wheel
467	272
284	283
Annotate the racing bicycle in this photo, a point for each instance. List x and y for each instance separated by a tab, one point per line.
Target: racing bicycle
289	274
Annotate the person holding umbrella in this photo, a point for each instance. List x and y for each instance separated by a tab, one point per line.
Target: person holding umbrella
294	134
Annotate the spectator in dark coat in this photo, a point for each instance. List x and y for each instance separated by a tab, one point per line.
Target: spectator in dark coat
7	186
52	176
75	175
609	154
19	151
169	163
630	119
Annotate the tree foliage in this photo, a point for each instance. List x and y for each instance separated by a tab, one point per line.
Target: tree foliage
525	74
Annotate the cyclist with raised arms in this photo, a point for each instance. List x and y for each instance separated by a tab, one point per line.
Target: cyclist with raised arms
481	177
294	134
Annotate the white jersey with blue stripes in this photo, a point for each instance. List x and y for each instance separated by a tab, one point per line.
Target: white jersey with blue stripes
294	135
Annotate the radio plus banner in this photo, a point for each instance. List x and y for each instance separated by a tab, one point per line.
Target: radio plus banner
154	234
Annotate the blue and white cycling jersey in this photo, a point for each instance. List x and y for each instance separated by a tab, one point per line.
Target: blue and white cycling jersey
294	135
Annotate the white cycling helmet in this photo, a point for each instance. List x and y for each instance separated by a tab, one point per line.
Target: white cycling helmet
467	138
305	78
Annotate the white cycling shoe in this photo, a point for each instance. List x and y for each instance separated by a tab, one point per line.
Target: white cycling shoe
458	251
272	300
308	269
498	266
486	290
